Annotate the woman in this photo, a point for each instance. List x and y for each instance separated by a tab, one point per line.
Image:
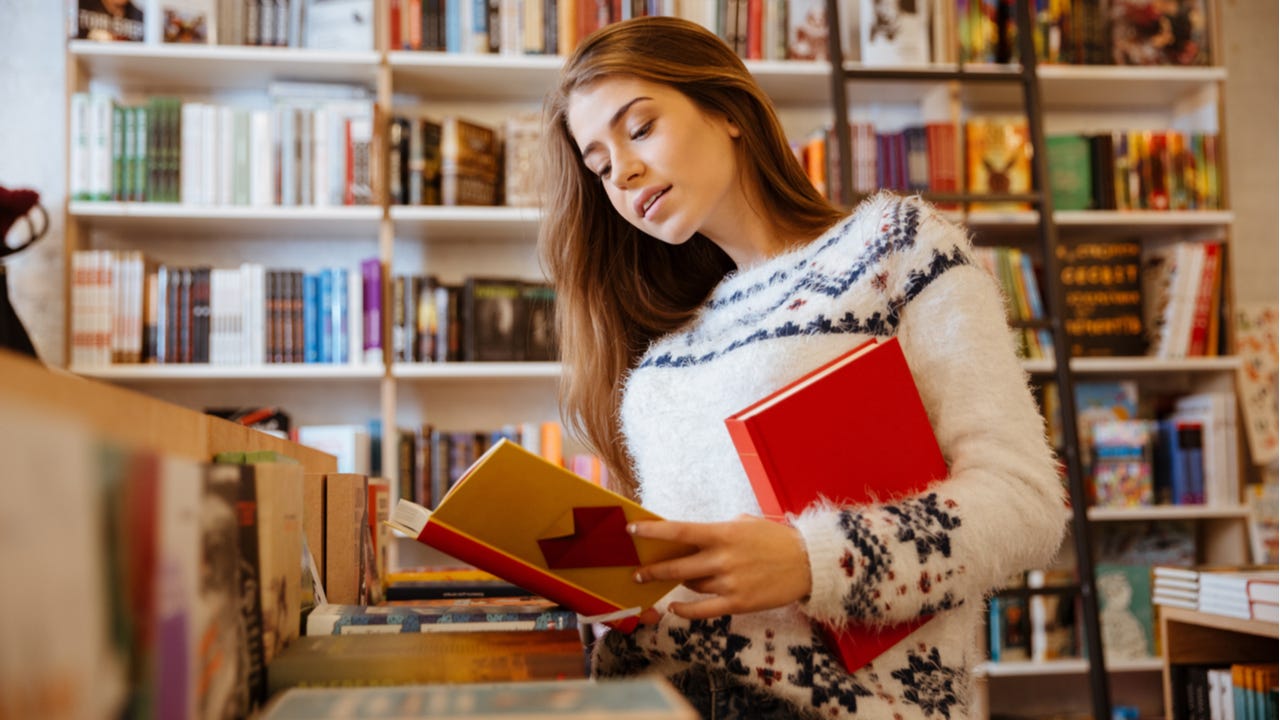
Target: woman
695	267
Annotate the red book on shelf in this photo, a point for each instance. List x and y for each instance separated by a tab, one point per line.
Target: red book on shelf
800	443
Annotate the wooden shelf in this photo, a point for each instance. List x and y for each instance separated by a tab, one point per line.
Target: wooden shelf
233	219
1075	87
1192	637
1140	365
224	67
1105	222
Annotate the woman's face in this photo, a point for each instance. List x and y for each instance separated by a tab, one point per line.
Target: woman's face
668	167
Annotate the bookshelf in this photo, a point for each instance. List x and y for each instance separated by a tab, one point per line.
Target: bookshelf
452	241
1191	636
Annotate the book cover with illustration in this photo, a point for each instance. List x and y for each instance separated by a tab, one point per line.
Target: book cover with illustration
190	21
109	20
541	527
998	159
894	32
1159	32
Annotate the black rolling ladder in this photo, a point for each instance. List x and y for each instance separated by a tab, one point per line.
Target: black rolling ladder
1041	200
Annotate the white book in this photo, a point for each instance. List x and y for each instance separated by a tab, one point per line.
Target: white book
350	444
1268	611
894	33
192	173
78	178
226	155
340	25
305	130
286	121
1189	261
321	122
209	155
218	312
261	165
1171	601
101	118
1213	409
355	316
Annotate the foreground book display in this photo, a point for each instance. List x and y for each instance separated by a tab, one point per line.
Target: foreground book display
780	440
545	529
642	698
419	658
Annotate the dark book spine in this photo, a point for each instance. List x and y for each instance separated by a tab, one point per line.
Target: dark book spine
250	597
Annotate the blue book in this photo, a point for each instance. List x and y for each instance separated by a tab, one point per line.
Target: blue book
310	315
325	321
341	318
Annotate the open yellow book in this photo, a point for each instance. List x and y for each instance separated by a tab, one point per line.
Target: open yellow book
539	526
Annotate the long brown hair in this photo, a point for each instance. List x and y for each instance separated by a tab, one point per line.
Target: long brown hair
617	288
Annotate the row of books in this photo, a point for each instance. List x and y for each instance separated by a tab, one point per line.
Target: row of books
1128	298
312	147
127	309
1241	691
1118	170
1244	592
1124	32
1034	618
1089	32
1185	457
1015	271
459	161
483	319
1134	170
319	24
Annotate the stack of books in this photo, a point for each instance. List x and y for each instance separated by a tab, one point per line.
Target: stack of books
1247	592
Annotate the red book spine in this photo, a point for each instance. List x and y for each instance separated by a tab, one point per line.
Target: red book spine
753	464
1205	306
755	29
516	571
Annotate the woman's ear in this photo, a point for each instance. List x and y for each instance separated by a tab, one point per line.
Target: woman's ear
735	132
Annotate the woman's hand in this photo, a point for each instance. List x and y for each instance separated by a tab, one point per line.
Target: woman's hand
748	564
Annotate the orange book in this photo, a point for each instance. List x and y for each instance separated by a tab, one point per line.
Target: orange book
780	437
537	525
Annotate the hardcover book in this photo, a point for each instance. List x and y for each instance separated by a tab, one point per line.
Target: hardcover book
466	614
541	527
778	440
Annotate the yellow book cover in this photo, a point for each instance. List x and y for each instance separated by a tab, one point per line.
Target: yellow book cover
999	153
539	526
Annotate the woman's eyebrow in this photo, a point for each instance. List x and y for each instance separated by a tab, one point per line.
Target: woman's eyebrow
613	121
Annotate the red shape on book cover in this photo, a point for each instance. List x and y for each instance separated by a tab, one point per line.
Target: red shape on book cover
599	539
853	431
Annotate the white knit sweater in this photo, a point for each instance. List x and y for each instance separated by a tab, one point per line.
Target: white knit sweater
894	267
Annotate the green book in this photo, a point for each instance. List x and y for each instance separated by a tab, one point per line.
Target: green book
1070	176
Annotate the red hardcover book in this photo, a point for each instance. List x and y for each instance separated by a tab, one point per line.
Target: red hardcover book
854	431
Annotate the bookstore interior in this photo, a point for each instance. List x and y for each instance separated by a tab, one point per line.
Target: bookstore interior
279	356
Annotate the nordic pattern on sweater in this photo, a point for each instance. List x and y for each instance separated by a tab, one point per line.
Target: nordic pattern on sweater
893	268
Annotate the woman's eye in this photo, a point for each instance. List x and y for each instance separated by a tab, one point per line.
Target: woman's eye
603	173
642	130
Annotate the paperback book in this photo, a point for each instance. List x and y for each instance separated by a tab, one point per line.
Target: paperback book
539	526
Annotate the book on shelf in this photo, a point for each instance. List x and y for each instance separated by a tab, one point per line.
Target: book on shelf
1258	379
457	615
541	527
1151	32
1122	471
646	697
998	159
781	439
893	33
413	658
109	21
190	21
339	25
1103	298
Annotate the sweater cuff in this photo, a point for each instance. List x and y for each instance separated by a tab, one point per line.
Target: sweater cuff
832	564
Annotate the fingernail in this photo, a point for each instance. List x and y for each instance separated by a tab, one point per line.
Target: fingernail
637	577
631	528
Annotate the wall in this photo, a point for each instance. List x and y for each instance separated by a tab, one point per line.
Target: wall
32	154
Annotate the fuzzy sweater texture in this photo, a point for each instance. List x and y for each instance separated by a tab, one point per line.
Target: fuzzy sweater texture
895	267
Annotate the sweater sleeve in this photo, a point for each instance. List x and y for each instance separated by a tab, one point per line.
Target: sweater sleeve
1000	510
